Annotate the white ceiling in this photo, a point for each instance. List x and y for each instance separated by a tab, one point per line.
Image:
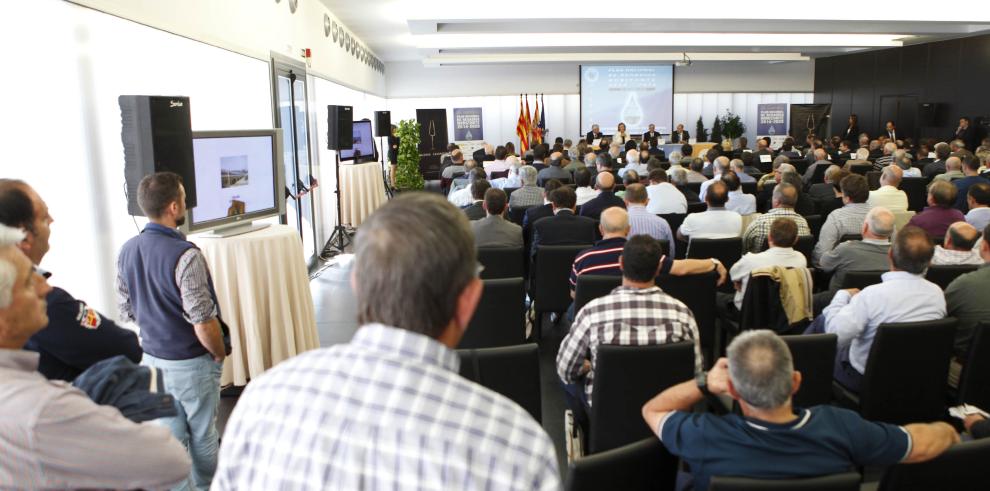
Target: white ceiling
465	32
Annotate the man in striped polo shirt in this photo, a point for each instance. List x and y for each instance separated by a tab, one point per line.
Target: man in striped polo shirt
603	258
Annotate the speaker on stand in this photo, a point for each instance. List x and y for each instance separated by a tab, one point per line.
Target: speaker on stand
383	129
340	136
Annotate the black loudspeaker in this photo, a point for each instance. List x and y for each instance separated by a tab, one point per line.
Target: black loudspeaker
928	114
340	127
157	136
383	123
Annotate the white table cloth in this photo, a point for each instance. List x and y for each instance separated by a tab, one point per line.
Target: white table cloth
362	191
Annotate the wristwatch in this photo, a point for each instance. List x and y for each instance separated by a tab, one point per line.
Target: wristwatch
702	380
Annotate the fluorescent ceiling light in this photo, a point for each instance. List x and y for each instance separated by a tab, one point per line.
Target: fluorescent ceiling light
579	39
502	58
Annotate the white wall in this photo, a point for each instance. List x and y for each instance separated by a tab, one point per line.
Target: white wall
256	28
411	79
687	107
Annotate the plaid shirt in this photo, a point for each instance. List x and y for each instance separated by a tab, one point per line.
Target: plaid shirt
626	317
526	196
386	411
642	222
846	220
759	228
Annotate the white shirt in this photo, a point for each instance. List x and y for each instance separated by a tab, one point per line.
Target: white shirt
496	166
462	197
639	168
716	223
704	186
888	197
585	194
741	203
665	199
912	172
978	217
774	256
947	257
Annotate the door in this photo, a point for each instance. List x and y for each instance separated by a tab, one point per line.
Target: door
291	114
903	110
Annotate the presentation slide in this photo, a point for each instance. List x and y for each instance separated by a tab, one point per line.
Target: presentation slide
364	142
234	176
636	95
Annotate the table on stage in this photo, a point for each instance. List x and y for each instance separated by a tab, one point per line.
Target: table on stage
263	290
362	191
698	149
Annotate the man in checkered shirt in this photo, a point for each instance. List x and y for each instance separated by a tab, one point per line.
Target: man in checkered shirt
389	410
785	196
637	313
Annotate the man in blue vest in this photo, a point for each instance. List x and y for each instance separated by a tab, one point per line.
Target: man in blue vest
163	284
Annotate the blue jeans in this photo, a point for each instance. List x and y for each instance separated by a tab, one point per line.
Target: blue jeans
195	385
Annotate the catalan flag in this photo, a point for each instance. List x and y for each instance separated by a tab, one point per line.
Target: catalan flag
535	128
522	127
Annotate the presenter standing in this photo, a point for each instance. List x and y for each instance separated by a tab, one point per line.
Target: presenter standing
594	134
393	154
620	137
680	135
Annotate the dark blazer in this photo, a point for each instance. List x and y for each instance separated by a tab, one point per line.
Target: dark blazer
933	169
852	134
689	194
677	138
474	211
648	137
897	134
564	228
969	136
592	136
821	191
535	213
606	199
480	156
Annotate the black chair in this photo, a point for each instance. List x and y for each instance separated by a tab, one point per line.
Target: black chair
815	223
513	371
906	373
860	169
749	187
697	292
861	279
963	467
848	481
697	207
728	251
641	466
819	174
500	318
551	289
943	275
502	262
516	214
974	380
916	189
617	399
590	287
762	309
873	179
806	245
499	174
696	187
674	220
814	357
508	191
846	237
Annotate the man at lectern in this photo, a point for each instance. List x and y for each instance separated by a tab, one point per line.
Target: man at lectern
680	135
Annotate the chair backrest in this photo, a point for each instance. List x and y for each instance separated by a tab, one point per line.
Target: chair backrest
860	169
697	292
749	187
697	207
502	262
848	481
728	251
963	467
846	237
861	279
499	319
906	373
814	357
516	214
674	220
618	397
806	245
508	191
499	174
815	223
974	381
696	187
551	288
640	466
819	174
513	371
762	307
873	179
943	275
916	189
590	287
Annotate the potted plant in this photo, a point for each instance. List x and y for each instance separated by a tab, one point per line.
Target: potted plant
716	136
732	125
408	176
699	131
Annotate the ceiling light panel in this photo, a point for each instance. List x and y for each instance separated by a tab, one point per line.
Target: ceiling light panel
576	39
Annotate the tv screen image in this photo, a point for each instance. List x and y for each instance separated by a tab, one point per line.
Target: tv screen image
636	95
364	144
240	175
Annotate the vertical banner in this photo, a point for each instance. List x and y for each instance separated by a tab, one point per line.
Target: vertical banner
432	140
467	124
810	118
771	120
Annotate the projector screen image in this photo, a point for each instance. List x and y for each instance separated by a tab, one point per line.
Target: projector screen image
364	142
636	95
234	176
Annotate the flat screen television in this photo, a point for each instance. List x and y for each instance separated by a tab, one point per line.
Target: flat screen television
239	176
364	144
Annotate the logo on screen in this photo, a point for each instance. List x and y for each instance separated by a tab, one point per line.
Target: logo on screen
591	74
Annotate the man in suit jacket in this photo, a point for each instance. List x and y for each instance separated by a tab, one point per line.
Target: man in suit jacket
564	227
554	171
494	230
542	211
476	210
651	134
680	135
484	154
967	133
890	131
594	134
605	199
937	166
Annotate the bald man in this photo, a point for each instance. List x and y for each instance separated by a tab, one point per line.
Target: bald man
605	199
603	257
958	246
889	196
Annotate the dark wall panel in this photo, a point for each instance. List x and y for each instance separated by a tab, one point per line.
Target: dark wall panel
952	73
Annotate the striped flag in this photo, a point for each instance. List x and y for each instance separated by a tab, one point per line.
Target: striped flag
522	130
543	120
535	128
529	125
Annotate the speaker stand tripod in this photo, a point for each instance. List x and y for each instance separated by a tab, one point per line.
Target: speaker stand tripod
388	187
340	238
